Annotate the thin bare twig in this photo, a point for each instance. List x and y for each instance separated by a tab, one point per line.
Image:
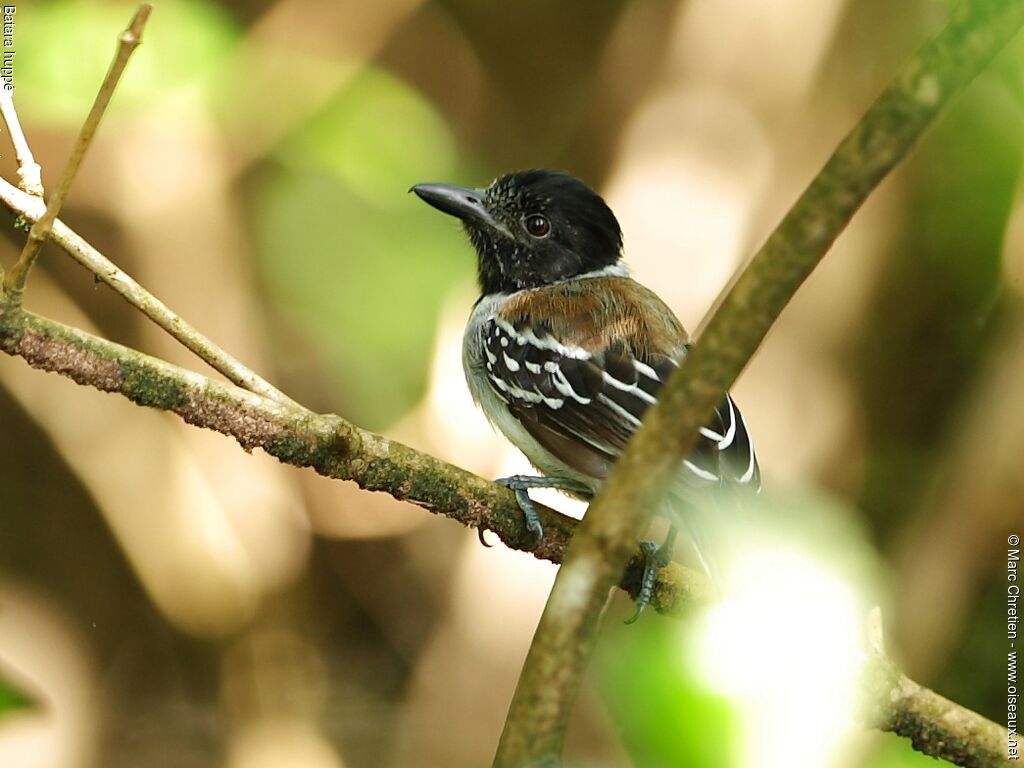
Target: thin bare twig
46	224
128	41
535	728
30	177
122	283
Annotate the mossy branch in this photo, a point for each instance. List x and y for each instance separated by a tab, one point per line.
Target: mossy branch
329	444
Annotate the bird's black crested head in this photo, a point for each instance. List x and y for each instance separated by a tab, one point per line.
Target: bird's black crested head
532	228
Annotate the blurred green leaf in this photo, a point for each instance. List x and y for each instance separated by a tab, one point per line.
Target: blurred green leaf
365	284
65	48
11	699
376	136
666	714
797	578
935	316
358	264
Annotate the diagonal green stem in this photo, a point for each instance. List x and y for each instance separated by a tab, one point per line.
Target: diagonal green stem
562	645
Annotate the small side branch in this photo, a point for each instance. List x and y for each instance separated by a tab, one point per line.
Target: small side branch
935	725
45	224
30	177
941	728
124	285
128	41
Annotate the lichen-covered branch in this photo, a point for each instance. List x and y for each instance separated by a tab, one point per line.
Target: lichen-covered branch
338	449
935	725
327	443
535	728
939	727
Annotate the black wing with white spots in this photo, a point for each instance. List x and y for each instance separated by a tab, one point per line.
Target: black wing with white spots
583	405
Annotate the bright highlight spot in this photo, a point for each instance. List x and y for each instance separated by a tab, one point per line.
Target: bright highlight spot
785	643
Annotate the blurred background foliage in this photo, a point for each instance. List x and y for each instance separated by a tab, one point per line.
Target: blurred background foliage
11	699
166	599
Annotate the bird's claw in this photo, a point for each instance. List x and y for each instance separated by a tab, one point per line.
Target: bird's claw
654	561
518	484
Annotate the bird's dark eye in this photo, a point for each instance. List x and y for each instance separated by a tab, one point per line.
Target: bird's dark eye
537	225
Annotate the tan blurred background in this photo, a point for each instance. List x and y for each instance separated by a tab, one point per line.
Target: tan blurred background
170	600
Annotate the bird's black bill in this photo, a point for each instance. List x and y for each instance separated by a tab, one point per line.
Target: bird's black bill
462	202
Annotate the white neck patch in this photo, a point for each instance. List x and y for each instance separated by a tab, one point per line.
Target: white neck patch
618	269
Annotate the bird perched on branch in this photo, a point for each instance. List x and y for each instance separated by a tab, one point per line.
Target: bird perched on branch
564	352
